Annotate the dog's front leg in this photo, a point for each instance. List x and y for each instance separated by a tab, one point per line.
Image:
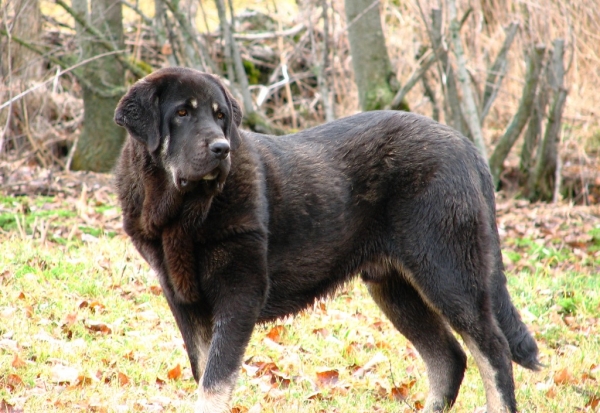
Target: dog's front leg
231	332
194	322
239	296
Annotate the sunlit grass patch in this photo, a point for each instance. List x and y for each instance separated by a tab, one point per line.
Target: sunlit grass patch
84	327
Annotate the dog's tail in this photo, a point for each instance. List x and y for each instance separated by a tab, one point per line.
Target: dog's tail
523	348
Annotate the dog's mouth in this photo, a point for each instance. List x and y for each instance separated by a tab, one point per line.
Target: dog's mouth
211	175
186	184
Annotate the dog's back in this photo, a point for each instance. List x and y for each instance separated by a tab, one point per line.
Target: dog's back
243	228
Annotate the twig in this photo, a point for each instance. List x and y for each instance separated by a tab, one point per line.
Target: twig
327	102
191	39
361	14
267	35
497	71
71	153
70	69
446	73
238	64
426	62
468	106
136	9
284	70
9	67
100	38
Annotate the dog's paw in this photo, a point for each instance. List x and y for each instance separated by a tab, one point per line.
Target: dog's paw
212	401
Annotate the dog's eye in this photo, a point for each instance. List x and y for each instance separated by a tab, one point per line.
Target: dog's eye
220	115
182	112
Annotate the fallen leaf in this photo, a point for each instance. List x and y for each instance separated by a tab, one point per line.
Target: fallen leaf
327	377
14	380
70	319
323	332
156	289
563	376
18	362
122	378
6	407
97	306
98	326
275	333
401	392
551	393
175	373
83	380
593	402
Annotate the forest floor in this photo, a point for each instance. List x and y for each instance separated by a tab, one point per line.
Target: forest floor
84	326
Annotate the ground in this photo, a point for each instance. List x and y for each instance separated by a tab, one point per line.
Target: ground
84	327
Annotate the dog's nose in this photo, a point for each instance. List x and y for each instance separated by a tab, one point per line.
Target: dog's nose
220	149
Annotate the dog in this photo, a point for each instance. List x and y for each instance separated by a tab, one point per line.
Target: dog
244	228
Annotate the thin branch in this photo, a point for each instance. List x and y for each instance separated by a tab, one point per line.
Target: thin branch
446	73
191	39
267	35
58	74
101	39
468	106
147	20
497	71
322	68
534	66
238	64
426	62
361	14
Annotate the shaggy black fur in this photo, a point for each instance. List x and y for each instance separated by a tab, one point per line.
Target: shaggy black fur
245	228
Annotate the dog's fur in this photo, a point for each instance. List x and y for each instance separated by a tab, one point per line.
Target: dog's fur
244	228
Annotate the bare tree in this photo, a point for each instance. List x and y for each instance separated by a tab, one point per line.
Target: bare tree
100	140
374	75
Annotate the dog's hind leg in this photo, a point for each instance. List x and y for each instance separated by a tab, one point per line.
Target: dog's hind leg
462	297
423	327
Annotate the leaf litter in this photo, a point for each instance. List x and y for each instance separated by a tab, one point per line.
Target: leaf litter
334	350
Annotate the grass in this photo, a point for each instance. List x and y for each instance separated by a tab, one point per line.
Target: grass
83	327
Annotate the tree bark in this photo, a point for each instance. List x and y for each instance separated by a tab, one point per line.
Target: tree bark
27	24
101	139
543	180
452	113
468	105
506	142
374	76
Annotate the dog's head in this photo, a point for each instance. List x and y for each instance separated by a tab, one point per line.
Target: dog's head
187	120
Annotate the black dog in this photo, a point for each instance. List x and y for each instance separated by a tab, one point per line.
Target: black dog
245	228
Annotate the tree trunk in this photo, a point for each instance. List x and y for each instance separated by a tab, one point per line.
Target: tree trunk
374	76
543	182
519	120
100	141
27	24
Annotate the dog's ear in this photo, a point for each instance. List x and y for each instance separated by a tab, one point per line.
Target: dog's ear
138	112
236	119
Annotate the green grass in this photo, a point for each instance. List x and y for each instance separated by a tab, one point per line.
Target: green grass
84	274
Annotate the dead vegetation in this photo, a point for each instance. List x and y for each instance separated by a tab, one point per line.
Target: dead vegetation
284	62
